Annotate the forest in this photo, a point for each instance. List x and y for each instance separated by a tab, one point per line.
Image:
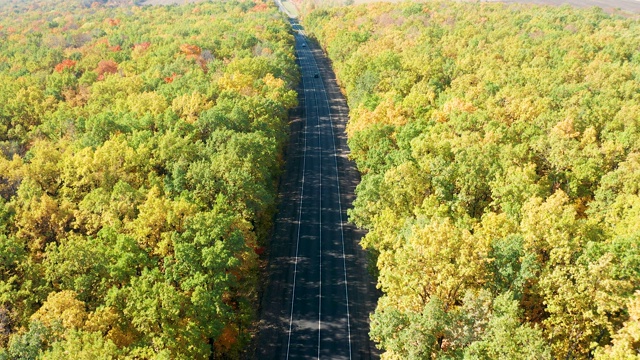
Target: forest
140	149
499	147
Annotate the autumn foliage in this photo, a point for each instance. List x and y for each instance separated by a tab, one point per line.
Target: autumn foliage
191	51
142	46
499	151
106	67
112	22
260	6
134	189
65	64
195	52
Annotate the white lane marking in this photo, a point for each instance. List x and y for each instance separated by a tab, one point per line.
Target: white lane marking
335	157
304	166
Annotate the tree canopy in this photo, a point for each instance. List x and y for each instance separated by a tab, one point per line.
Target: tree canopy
499	147
139	153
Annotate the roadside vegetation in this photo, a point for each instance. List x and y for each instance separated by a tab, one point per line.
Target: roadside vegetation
499	147
139	154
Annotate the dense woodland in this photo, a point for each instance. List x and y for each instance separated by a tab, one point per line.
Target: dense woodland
139	149
500	152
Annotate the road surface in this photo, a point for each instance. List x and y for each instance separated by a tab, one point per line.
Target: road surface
317	302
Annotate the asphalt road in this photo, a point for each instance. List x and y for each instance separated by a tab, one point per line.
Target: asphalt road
319	295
